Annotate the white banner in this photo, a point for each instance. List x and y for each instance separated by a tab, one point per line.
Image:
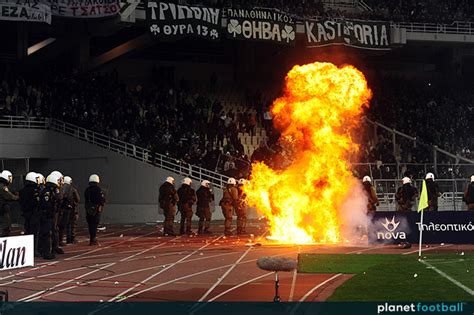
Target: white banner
16	252
85	8
25	10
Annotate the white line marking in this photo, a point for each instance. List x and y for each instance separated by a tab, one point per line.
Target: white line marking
192	275
457	283
45	264
293	281
238	286
293	311
220	279
318	286
364	250
39	294
122	296
426	249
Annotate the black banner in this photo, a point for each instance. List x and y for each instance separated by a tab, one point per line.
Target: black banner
456	227
261	25
355	33
169	20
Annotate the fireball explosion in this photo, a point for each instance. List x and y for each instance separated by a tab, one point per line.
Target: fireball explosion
319	110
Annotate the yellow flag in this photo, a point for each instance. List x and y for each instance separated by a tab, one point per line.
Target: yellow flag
423	198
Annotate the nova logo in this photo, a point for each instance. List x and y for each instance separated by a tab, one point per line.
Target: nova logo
389	234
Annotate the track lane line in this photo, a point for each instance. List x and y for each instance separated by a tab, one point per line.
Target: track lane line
293	280
238	286
37	295
193	275
220	279
427	249
446	276
293	311
122	296
46	264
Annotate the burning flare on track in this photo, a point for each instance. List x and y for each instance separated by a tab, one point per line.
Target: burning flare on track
320	109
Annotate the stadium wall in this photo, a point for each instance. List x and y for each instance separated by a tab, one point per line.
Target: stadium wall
131	185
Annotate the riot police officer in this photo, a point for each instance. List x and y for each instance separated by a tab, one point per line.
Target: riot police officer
242	208
57	214
69	213
187	197
168	199
94	203
6	178
468	196
406	195
229	203
29	203
432	189
49	208
369	189
203	210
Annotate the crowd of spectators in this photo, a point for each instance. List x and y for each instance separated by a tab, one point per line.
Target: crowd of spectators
431	11
170	120
191	126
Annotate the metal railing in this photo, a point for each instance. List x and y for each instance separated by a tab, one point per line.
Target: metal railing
452	191
118	146
433	148
385	187
458	27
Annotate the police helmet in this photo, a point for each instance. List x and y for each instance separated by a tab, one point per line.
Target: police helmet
170	180
187	181
59	174
32	177
67	180
54	179
205	183
231	181
429	176
366	179
7	175
94	178
406	180
41	179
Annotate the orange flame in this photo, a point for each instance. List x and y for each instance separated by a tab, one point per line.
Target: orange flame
321	106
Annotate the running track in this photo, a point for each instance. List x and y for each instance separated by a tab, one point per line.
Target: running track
135	263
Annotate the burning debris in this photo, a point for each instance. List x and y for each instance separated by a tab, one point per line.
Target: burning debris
319	110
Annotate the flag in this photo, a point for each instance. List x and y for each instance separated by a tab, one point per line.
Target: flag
423	198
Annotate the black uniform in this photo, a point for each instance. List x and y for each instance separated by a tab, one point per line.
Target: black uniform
94	203
469	196
29	203
168	199
433	194
372	200
5	198
69	213
405	197
241	211
187	197
203	210
49	208
228	203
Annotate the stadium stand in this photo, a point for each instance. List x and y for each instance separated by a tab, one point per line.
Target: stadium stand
226	130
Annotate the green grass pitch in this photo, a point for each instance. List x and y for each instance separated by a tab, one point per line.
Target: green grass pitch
385	277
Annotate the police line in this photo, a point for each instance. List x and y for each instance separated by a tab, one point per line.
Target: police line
438	227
